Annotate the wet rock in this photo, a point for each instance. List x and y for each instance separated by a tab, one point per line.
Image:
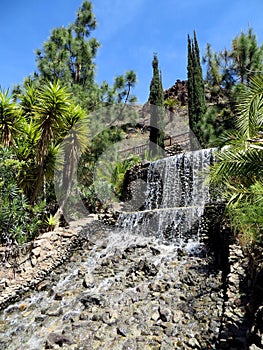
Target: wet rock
155	316
54	310
58	339
110	317
58	296
165	314
91	299
122	330
194	343
155	286
12	309
129	344
155	251
88	281
142	300
84	315
33	260
40	318
43	285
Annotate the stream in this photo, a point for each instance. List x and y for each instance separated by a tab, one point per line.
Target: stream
121	291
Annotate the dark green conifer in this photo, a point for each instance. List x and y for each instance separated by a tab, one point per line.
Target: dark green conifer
190	84
196	90
156	100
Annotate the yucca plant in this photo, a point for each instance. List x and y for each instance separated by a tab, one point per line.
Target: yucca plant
10	118
50	113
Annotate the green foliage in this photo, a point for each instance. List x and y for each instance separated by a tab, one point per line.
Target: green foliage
10	119
250	118
45	122
69	56
239	64
120	171
170	103
210	127
239	169
51	222
246	217
226	74
19	222
96	147
247	57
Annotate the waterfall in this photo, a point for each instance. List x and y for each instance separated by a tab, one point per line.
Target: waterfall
175	198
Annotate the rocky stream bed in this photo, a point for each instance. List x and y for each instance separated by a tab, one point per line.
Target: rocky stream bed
120	291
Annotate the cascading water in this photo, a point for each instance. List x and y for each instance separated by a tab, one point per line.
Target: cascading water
175	198
127	291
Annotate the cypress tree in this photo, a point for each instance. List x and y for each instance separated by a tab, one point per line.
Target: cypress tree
156	100
199	82
190	84
196	89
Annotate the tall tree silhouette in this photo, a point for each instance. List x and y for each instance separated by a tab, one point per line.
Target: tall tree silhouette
196	90
156	100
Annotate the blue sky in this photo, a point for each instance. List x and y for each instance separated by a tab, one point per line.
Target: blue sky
129	32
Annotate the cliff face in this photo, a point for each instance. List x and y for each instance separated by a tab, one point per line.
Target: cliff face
177	92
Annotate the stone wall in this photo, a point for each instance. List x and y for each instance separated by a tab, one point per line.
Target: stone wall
32	263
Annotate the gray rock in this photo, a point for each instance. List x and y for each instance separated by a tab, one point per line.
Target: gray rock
165	314
58	339
54	310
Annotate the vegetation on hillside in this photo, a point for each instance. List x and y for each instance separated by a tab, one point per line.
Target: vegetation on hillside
41	113
227	72
55	115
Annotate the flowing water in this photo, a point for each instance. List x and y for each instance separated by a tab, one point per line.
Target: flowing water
175	199
134	286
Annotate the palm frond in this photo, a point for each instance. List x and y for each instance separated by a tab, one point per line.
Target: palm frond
236	161
250	108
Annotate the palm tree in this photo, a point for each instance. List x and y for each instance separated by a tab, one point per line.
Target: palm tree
240	165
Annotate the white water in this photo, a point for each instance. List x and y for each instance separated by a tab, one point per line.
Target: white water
175	198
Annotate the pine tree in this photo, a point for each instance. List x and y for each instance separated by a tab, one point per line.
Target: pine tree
247	56
156	100
69	56
196	89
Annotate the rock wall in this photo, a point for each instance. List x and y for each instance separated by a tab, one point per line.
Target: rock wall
31	264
